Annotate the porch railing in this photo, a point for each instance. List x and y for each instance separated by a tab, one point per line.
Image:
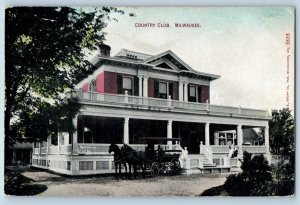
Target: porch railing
53	149
206	151
224	149
36	150
65	149
43	150
93	148
156	102
255	149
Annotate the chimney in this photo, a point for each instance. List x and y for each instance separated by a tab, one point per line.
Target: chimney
104	50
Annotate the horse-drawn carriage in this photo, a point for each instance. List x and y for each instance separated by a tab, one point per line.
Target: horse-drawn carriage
161	161
154	160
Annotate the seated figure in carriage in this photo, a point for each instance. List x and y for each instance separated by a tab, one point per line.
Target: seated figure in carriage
149	151
159	153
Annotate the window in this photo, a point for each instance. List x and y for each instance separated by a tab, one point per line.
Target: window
162	90
127	85
192	93
93	86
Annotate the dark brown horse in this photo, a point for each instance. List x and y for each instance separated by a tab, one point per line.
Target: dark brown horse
118	159
134	159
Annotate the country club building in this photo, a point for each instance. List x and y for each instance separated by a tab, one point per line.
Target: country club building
132	96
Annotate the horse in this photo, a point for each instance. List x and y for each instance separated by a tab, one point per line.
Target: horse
118	159
133	158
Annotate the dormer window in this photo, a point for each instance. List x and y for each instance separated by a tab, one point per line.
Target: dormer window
93	86
127	85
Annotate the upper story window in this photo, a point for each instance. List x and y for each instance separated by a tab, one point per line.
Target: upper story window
193	93
127	85
93	86
162	90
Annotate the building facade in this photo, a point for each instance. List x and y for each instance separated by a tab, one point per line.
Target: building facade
132	96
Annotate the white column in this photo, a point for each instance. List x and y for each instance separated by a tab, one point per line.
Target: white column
75	137
185	92
240	139
266	131
216	138
145	91
140	86
48	144
169	133
268	154
180	91
206	134
126	130
58	142
39	148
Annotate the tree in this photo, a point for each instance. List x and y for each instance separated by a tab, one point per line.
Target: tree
44	59
282	132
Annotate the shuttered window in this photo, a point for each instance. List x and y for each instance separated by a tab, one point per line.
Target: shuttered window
193	91
127	85
93	86
162	88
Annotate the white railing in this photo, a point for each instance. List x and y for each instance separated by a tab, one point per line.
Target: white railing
246	111
223	109
220	149
206	151
189	105
224	149
93	148
255	149
53	149
156	102
36	150
65	149
43	150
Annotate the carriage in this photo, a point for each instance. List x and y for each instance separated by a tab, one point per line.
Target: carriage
154	161
161	160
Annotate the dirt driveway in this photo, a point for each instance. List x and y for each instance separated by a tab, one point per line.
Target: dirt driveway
191	185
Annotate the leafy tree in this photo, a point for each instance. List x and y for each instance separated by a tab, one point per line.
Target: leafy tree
282	132
45	56
284	176
254	180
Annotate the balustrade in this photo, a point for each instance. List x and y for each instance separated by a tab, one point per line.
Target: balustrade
157	102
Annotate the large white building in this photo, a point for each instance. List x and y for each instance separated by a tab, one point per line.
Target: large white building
132	96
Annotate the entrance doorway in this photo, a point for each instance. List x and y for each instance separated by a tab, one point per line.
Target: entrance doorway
191	135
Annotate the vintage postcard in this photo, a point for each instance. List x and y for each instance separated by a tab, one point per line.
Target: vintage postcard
149	101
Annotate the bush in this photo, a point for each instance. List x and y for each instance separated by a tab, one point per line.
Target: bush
17	184
255	180
284	175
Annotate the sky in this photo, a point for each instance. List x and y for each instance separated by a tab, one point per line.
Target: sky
247	46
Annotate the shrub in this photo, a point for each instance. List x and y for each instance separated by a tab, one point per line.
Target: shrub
17	184
255	180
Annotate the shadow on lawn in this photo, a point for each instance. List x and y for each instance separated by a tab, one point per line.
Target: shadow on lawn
214	191
19	185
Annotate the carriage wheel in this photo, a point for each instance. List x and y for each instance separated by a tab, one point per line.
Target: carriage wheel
154	169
